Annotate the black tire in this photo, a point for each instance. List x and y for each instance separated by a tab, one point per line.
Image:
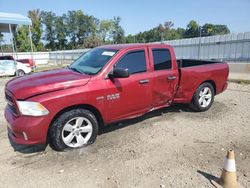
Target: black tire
55	134
20	73
196	105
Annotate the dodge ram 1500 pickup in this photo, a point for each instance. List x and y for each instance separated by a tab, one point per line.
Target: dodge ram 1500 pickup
66	107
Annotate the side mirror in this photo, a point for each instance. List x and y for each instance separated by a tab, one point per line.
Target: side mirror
119	73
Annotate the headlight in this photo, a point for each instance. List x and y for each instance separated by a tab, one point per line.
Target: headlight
32	108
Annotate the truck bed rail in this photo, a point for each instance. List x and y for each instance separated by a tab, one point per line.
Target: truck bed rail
182	63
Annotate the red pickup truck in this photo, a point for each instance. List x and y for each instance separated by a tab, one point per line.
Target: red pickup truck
66	107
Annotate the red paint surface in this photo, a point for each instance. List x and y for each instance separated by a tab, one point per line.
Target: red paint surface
61	89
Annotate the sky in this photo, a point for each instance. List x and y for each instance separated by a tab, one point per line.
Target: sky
141	15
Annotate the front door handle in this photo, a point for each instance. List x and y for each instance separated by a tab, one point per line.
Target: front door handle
171	77
144	81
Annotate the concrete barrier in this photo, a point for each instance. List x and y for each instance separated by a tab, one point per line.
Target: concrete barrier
240	67
239	71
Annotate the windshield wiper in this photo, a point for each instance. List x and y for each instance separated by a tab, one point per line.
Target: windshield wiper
74	69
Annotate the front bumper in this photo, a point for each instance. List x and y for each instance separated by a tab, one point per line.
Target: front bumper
26	129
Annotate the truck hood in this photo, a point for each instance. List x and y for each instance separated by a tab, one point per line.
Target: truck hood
44	82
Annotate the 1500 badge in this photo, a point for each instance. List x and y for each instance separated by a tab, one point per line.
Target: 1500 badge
109	97
113	96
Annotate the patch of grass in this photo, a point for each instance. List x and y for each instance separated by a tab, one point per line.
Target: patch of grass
240	81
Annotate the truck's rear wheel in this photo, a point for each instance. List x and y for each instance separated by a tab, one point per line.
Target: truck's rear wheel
73	129
203	97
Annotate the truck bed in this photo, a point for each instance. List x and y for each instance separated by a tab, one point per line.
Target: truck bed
193	73
182	63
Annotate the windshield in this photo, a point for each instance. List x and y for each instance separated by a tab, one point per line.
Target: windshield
92	61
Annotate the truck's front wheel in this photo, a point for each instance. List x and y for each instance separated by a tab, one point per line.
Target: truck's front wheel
203	97
73	129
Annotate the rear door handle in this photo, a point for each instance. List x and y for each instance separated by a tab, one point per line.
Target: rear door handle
171	77
144	81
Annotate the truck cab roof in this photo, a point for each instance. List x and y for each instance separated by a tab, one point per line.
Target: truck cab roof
132	45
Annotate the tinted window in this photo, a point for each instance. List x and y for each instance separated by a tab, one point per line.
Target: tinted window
135	62
162	59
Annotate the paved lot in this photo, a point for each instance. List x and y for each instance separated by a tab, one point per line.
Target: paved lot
173	147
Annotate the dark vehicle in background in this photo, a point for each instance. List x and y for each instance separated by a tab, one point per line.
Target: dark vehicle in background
66	107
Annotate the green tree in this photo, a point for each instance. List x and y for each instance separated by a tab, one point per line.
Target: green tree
221	29
211	29
72	28
91	34
192	30
22	39
48	20
118	32
36	29
181	32
170	33
166	31
92	41
130	39
61	32
106	30
80	27
161	32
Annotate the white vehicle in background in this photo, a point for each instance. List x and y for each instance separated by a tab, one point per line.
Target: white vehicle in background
13	68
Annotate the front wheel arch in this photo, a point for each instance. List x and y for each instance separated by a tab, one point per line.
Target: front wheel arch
91	108
212	83
73	129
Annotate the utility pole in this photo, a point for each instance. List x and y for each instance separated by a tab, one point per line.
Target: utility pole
11	39
199	48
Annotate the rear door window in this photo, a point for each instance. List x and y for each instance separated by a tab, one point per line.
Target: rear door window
162	59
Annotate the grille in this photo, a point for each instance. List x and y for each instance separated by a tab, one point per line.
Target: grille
11	103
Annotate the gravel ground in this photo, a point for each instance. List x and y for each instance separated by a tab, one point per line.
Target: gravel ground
173	147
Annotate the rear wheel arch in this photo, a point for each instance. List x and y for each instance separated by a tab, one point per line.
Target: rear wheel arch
202	101
207	81
212	83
